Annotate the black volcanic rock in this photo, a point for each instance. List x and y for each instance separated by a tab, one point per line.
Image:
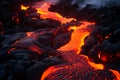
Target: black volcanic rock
35	72
102	15
103	41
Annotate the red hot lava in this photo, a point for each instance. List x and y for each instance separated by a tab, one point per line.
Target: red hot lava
74	65
45	13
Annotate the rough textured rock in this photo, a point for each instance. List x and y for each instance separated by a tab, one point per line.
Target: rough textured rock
75	67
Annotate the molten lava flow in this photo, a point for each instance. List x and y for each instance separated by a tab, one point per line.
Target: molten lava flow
76	67
45	13
48	71
80	32
77	38
94	65
116	73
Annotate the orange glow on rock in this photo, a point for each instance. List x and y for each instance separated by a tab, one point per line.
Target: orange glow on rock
12	49
104	58
24	7
35	49
77	38
116	73
29	34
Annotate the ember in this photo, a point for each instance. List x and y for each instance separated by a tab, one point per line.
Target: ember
59	40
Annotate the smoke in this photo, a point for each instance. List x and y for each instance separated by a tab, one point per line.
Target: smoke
96	3
52	1
45	4
49	1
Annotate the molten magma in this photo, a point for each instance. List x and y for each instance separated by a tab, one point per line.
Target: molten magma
45	13
48	71
77	38
116	73
94	65
54	69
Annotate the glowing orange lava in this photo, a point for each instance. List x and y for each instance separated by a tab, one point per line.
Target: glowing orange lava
116	73
24	7
94	65
45	13
77	38
71	58
48	71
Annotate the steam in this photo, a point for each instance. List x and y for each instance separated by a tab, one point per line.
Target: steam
45	3
96	3
52	1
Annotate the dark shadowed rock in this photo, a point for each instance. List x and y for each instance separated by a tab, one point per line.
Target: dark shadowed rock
35	72
2	75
